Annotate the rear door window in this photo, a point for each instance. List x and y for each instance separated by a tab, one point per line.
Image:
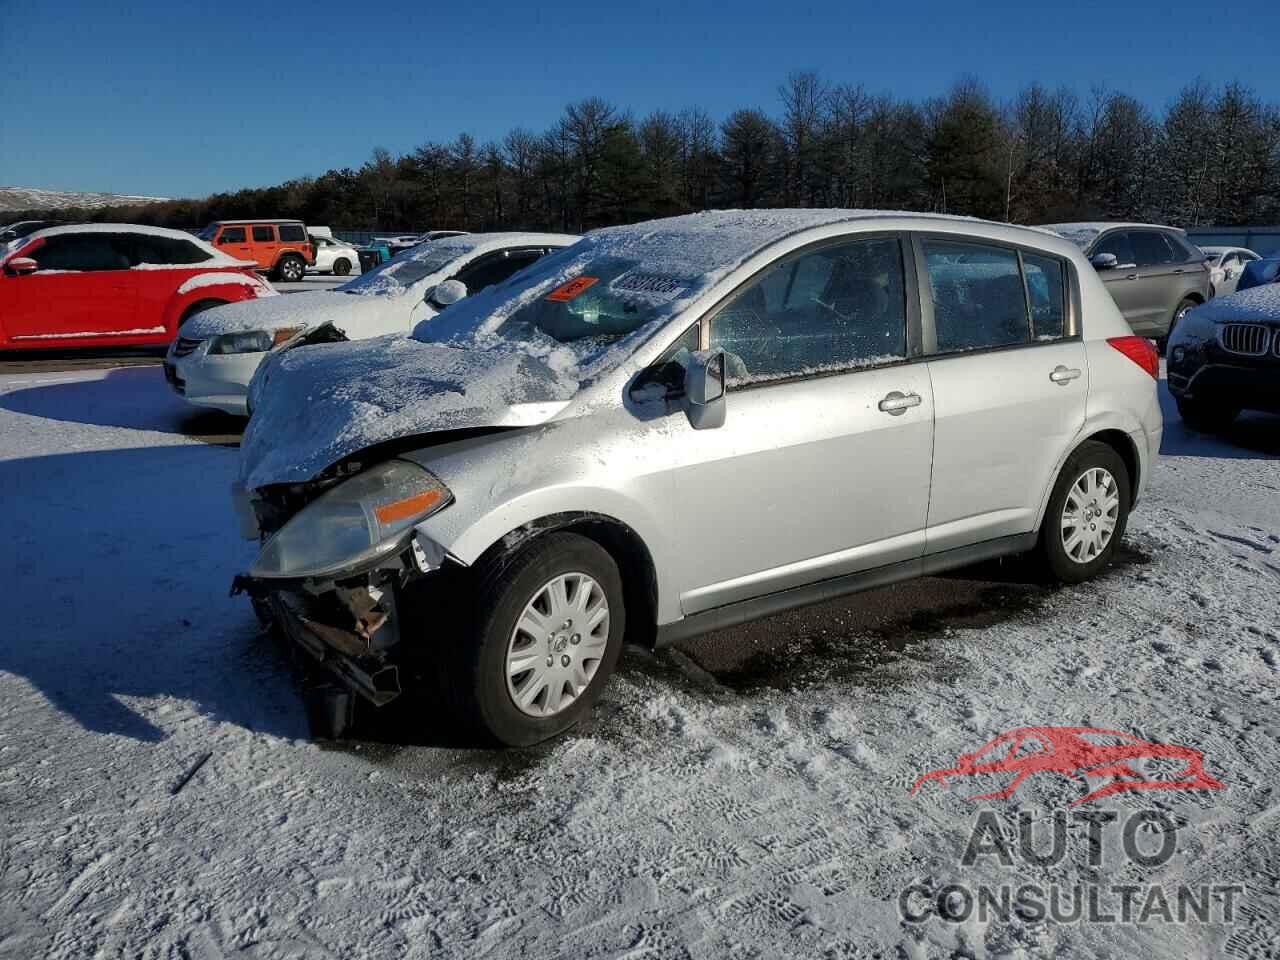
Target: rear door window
147	249
978	296
264	234
1152	249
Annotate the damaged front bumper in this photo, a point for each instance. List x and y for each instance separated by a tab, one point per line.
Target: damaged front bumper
351	626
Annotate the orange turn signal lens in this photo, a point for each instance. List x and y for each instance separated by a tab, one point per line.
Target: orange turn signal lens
408	507
285	333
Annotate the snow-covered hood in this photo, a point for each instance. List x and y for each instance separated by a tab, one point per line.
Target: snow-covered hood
356	316
328	401
1259	304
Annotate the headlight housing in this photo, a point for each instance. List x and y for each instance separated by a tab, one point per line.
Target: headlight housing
250	341
356	522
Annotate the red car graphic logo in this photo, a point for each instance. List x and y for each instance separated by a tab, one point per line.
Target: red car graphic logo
1079	752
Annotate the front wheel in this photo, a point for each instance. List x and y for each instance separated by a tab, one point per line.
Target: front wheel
341	267
1087	513
1179	314
546	635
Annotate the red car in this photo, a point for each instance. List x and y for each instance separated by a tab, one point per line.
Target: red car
91	285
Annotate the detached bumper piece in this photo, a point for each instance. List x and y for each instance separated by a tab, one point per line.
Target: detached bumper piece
348	630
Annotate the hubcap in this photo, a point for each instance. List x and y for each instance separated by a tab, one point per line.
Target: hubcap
557	645
1090	514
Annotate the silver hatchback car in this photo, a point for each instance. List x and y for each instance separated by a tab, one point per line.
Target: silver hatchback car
681	425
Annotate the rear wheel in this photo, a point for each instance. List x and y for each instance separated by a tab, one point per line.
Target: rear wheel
546	635
1204	417
290	268
1087	513
341	266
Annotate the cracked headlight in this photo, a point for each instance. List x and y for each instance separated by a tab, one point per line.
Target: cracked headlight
356	522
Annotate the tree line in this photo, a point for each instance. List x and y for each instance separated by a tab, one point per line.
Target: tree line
1211	156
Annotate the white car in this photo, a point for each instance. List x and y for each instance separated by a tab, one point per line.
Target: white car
334	256
217	352
1225	266
680	425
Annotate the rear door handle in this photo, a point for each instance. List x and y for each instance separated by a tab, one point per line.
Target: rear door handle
1132	276
1063	375
896	403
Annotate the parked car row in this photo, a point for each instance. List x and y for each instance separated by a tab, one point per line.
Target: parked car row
212	362
665	428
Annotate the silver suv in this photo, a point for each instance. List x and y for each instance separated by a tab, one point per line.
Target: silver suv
1154	273
681	425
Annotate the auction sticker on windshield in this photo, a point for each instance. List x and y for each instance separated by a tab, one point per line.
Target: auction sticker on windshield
654	286
567	291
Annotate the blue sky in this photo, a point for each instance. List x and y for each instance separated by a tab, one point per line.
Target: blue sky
180	99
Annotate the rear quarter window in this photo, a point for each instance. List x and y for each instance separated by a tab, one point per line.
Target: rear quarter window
292	233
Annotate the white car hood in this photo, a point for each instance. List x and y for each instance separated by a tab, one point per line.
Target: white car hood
357	316
328	401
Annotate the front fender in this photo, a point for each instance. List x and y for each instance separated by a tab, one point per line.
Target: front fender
503	482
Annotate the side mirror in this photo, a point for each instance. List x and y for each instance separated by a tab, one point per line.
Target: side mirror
1104	261
704	399
21	266
447	292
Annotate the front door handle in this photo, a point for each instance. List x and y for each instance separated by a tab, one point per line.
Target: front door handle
896	403
1132	276
1063	375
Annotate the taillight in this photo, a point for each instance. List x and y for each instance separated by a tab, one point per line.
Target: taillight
1141	351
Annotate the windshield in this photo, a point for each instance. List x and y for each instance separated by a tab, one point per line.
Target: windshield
208	232
580	308
604	303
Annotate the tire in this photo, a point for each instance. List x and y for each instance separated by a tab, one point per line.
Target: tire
290	269
1075	553
1205	417
478	678
341	267
1180	311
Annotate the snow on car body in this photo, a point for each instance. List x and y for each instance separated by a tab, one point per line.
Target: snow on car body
562	450
214	360
113	284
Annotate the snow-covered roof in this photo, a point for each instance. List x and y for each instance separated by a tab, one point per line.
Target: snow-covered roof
1084	233
217	257
425	263
1256	303
688	255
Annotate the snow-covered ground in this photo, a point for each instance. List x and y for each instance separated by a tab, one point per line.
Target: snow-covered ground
702	813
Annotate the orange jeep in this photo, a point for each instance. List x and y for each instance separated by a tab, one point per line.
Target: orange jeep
280	247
